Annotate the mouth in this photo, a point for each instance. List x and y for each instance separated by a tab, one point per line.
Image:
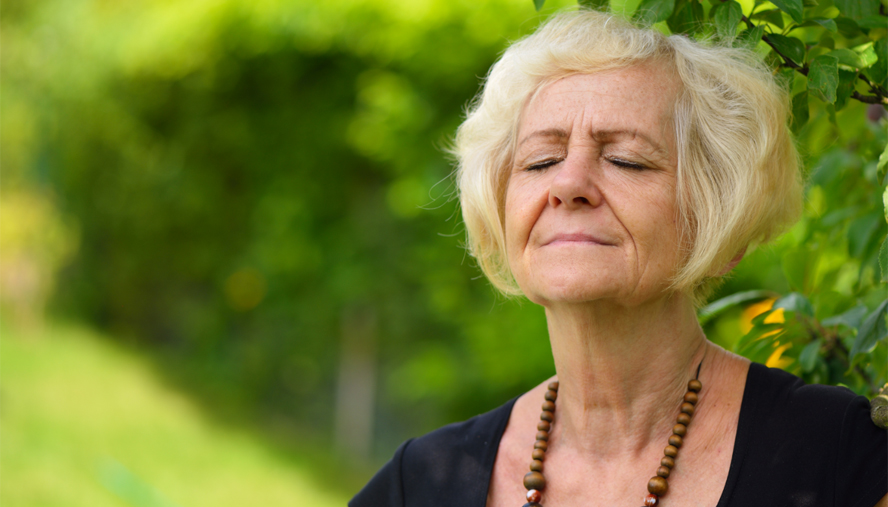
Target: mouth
576	239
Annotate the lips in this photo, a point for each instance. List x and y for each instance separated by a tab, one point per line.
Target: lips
577	238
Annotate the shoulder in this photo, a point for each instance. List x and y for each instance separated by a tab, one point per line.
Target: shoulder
797	441
450	465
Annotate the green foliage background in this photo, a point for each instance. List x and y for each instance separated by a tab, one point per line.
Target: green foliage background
226	182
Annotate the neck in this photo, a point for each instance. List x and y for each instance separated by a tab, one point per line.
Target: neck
623	371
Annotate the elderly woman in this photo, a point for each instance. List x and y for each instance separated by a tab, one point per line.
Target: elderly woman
611	175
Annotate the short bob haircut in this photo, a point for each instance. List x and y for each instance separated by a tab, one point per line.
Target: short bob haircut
738	181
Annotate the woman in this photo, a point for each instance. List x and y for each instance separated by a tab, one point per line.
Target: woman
612	175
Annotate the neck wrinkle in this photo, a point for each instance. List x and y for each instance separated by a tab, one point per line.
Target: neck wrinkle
622	373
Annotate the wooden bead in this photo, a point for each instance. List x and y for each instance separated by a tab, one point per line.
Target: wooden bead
534	480
544	426
553	385
666	461
687	408
657	486
680	430
534	496
549	406
536	465
684	419
691	397
651	501
675	440
547	416
541	445
543	435
663	472
551	395
671	451
695	385
538	454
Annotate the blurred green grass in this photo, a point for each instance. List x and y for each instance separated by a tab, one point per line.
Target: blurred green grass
87	422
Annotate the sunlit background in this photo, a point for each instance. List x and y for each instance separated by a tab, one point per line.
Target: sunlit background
231	260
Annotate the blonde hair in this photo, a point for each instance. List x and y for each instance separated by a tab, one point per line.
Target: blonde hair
738	180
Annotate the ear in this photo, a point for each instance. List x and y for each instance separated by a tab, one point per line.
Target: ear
733	263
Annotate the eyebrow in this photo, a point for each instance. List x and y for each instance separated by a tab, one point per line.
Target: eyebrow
597	135
561	134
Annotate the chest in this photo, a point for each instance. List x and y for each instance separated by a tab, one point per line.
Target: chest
574	479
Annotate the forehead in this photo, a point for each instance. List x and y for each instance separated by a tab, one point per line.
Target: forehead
636	98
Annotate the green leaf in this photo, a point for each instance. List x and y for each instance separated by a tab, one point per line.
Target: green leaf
687	17
858	9
883	260
795	267
795	302
847	27
845	88
878	72
712	309
847	57
871	22
867	54
824	22
883	160
750	37
861	231
799	111
871	331
597	5
823	77
808	357
850	319
727	16
790	47
773	16
654	11
792	7
538	4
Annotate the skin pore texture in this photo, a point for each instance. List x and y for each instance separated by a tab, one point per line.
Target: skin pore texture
591	236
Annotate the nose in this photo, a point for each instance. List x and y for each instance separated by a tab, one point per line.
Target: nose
575	184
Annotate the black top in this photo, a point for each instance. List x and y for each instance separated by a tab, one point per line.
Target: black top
797	445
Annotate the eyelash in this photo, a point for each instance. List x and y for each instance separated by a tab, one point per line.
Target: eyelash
615	161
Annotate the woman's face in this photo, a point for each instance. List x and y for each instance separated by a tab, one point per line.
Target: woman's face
590	202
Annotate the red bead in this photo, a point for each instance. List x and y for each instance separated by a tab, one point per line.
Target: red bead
651	501
534	496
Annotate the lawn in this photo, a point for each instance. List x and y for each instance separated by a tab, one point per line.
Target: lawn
86	422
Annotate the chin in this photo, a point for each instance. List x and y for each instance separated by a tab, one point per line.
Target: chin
571	288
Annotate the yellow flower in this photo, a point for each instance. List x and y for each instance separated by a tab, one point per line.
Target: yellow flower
754	310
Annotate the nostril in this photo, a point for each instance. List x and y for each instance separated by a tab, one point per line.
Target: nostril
582	200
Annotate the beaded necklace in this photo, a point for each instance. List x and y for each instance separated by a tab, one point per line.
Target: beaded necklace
535	482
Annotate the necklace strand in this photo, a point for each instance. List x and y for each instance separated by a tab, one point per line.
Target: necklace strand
535	482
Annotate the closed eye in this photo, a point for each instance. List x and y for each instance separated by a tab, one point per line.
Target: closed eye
625	163
538	166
